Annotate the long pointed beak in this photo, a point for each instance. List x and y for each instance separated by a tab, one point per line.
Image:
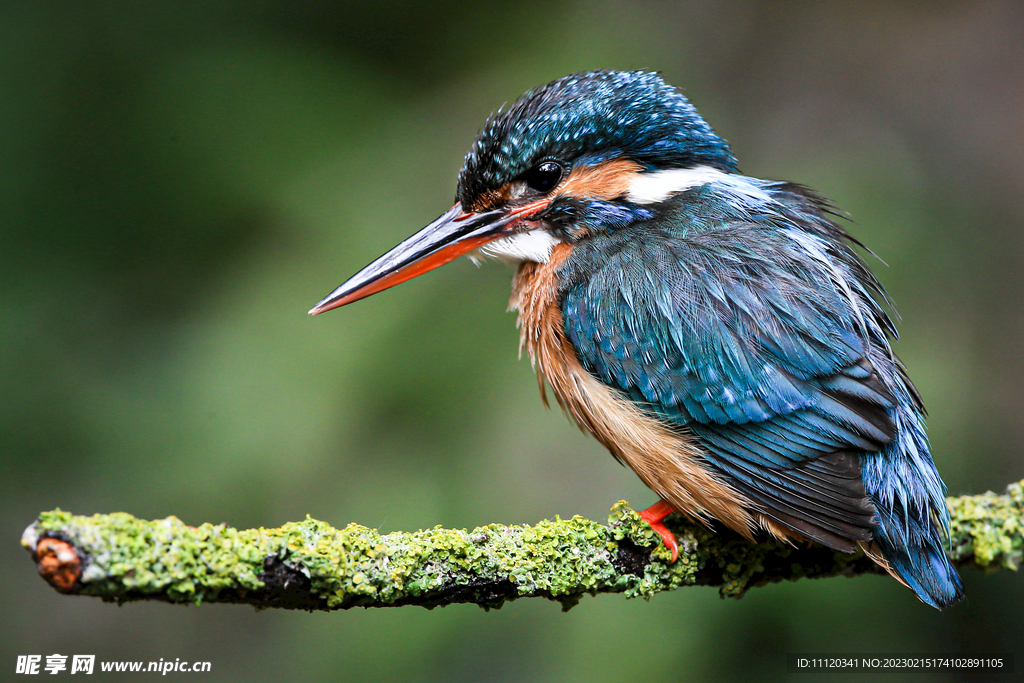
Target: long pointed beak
450	236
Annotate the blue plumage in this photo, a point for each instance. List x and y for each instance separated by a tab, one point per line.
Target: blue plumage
718	333
723	318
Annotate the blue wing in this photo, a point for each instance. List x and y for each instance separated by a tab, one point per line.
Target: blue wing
735	335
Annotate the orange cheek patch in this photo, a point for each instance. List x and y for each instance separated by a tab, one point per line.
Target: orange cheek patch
607	180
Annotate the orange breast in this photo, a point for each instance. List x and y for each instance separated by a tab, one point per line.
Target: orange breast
665	457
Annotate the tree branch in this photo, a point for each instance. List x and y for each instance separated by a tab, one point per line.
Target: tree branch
311	565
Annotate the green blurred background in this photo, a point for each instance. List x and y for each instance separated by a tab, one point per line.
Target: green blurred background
180	182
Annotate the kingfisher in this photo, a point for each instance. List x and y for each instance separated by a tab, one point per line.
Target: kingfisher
718	333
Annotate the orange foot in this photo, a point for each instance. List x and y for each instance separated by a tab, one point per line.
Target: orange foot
654	516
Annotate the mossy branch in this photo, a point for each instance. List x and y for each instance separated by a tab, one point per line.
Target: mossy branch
311	565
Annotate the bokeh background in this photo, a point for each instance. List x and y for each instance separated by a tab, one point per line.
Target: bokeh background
180	182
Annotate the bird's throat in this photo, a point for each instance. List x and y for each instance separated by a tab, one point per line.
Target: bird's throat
533	245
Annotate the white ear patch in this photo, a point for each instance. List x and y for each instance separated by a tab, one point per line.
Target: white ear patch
534	245
657	186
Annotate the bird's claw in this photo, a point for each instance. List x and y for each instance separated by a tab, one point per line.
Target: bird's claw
654	516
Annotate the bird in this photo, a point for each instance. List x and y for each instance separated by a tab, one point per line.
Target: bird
719	334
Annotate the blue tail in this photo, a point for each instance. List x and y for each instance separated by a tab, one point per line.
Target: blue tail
914	549
913	521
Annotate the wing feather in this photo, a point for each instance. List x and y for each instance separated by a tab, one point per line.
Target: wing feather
721	334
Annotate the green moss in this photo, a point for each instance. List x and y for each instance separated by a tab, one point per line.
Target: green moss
986	530
127	558
130	558
164	557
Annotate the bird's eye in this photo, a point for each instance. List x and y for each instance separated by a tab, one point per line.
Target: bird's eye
544	176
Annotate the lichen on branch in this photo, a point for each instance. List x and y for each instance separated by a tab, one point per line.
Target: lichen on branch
312	565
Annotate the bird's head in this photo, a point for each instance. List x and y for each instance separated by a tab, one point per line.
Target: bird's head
590	151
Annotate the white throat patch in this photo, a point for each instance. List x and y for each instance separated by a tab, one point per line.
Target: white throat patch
534	245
